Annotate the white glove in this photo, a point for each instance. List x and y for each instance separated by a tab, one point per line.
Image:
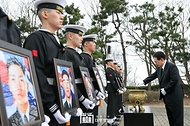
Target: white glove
44	124
62	119
97	98
100	95
79	112
97	103
88	104
120	91
47	119
141	83
124	89
163	91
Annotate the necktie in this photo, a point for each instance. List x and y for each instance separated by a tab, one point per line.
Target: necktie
69	105
162	71
25	119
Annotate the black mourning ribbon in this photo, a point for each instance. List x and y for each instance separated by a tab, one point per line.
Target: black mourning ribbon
162	70
25	119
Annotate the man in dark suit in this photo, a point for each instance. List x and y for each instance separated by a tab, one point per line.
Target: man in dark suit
170	88
19	89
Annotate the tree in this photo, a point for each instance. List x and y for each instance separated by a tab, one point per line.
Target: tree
24	17
141	30
25	27
72	15
28	21
117	16
151	31
98	26
171	39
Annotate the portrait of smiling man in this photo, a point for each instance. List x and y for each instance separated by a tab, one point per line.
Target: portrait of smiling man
19	89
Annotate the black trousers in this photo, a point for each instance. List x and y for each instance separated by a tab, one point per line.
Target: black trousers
75	121
95	114
111	105
175	113
119	103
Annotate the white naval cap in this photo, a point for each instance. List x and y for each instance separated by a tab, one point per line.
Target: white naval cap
90	37
114	62
51	4
75	29
108	60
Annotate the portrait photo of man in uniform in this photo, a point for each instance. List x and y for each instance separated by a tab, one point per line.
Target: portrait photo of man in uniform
69	101
98	79
66	88
20	98
25	113
88	85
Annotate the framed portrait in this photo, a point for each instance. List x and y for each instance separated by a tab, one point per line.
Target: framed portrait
98	79
88	84
19	87
66	86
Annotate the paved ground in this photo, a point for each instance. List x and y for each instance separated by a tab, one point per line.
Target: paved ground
160	117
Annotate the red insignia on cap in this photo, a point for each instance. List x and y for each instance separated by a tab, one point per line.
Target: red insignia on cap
34	53
110	75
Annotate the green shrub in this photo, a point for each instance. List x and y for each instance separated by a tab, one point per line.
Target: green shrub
186	89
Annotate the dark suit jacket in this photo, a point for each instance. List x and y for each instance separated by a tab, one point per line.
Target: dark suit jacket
170	81
66	107
16	120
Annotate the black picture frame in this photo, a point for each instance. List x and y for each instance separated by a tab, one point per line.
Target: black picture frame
87	81
98	80
28	84
3	119
64	72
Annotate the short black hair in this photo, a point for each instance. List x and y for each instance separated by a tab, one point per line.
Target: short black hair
85	75
159	55
108	61
65	72
14	61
